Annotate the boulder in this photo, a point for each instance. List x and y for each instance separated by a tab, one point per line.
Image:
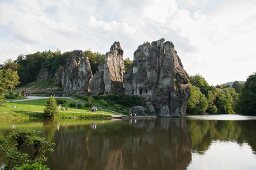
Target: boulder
138	111
159	76
114	70
76	74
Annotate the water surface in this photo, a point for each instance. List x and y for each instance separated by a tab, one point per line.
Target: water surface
187	143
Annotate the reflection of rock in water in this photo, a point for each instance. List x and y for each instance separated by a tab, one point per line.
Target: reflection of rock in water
147	144
165	146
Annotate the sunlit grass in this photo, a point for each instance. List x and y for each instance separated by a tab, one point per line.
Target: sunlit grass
33	109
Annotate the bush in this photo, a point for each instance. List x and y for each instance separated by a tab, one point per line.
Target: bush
79	105
104	102
118	106
90	101
33	166
61	101
124	100
11	96
51	108
72	104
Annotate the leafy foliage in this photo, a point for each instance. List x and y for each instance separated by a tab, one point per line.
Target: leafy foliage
51	108
197	103
127	64
11	147
248	96
9	79
220	99
201	83
238	86
31	64
95	59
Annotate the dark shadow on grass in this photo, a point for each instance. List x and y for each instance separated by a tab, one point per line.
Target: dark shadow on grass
32	115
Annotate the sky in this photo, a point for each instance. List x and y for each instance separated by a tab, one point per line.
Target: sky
214	38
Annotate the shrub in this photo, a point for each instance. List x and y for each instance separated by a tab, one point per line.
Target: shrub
61	101
104	102
90	101
79	105
72	104
11	96
51	108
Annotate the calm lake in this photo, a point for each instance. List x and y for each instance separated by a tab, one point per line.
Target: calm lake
209	142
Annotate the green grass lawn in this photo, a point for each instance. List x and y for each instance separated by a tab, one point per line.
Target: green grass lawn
33	109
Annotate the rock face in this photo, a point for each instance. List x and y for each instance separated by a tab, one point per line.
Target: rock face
159	76
138	110
75	76
43	74
97	85
114	69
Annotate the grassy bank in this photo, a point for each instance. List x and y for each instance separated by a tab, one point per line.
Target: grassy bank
33	109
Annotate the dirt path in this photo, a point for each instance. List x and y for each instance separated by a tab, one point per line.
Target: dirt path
37	97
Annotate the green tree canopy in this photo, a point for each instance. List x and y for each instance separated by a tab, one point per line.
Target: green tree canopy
95	59
201	83
127	64
238	86
197	103
248	96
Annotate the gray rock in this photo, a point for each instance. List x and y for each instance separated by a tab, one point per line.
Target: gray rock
114	70
44	74
138	111
97	85
159	76
76	74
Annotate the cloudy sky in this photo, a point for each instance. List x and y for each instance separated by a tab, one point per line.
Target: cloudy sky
214	38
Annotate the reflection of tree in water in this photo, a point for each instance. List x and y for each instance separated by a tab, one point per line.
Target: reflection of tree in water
203	132
146	144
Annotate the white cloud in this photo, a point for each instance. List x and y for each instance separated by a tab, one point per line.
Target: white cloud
213	37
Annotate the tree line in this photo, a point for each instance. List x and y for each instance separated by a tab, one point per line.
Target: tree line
31	64
222	99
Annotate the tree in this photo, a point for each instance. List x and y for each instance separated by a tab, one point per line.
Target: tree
201	83
10	78
212	98
225	103
95	59
127	64
248	96
197	103
237	86
9	64
51	108
12	150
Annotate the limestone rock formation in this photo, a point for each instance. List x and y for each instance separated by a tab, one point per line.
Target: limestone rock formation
159	76
75	76
43	74
97	85
114	69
